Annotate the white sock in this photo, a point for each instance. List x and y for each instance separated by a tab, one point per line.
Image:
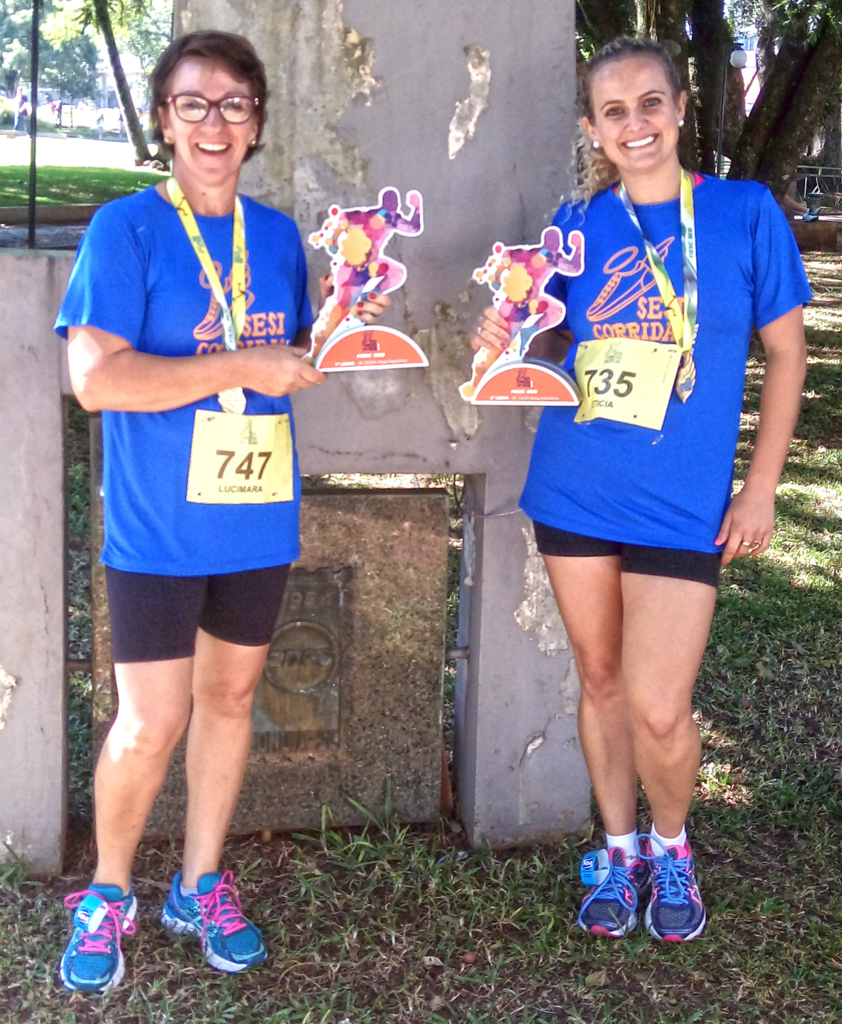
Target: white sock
680	840
626	843
193	891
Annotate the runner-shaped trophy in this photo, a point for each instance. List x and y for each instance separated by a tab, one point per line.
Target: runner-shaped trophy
355	239
518	276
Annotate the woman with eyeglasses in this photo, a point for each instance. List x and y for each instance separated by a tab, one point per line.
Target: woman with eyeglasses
187	317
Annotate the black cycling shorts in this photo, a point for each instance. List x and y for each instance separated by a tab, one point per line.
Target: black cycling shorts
155	618
698	566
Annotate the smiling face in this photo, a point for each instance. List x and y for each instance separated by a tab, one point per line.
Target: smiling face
635	115
208	153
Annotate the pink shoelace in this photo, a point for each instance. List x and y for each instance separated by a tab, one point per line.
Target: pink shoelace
221	906
112	926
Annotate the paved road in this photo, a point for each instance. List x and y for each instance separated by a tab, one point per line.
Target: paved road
51	151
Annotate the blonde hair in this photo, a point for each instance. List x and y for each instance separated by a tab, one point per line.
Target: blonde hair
592	170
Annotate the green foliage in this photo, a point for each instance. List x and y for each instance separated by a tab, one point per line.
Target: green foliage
67	66
70	69
148	35
15	33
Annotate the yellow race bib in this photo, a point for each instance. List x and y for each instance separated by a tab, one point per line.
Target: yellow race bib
240	460
626	379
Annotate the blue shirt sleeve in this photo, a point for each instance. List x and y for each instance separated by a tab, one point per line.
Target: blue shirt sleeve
107	287
780	282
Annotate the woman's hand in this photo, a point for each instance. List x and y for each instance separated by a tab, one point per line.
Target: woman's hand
748	524
372	308
369	310
277	370
492	333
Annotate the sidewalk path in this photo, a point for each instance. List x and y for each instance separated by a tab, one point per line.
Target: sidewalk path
54	151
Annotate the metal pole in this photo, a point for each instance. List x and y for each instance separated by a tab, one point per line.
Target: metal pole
722	113
33	119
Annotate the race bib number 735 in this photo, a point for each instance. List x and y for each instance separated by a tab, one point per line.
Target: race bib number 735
240	460
626	380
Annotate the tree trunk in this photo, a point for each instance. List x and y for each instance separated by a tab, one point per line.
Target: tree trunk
779	86
735	111
124	96
798	122
831	155
711	44
670	21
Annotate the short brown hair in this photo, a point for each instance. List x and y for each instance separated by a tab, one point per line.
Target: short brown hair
236	52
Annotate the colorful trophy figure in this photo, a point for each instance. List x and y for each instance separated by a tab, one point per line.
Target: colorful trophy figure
518	275
355	239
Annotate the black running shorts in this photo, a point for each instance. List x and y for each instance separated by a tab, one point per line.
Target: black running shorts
698	566
155	618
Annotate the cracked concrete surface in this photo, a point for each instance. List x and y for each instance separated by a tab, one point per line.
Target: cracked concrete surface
538	613
463	124
7	685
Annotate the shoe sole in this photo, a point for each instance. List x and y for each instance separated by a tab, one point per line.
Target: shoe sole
618	933
229	966
673	937
177	926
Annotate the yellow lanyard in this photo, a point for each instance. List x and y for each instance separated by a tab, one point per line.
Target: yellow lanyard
682	321
233	318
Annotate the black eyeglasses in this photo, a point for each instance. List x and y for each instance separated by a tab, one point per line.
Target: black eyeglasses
193	108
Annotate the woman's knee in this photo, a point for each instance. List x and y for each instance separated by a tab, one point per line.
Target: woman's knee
663	725
226	697
601	679
148	736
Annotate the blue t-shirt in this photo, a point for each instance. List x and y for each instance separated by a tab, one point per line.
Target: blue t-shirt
665	488
136	275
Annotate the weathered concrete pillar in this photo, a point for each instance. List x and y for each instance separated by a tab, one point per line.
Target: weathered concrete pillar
32	605
472	104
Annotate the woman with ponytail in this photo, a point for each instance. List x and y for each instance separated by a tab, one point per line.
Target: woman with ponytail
630	494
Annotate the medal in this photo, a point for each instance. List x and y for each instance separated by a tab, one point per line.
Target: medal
232	400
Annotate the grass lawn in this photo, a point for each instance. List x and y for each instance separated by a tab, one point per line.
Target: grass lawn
381	925
72	185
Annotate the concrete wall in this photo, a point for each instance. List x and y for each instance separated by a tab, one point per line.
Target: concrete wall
32	603
472	104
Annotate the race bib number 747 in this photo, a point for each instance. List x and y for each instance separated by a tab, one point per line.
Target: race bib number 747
626	379
240	460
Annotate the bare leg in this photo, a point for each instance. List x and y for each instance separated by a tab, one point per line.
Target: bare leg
153	711
665	629
589	597
218	741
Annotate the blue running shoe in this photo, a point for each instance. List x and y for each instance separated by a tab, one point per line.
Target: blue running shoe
230	942
93	960
615	889
675	912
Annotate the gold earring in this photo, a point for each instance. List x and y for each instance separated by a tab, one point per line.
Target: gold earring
253	142
167	140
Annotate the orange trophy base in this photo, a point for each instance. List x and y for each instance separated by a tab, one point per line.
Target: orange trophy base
369	348
522	383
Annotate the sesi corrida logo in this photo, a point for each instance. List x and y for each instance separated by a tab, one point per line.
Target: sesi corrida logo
259	328
631	284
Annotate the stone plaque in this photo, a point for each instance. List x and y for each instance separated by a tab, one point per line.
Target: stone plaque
347	713
297	701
